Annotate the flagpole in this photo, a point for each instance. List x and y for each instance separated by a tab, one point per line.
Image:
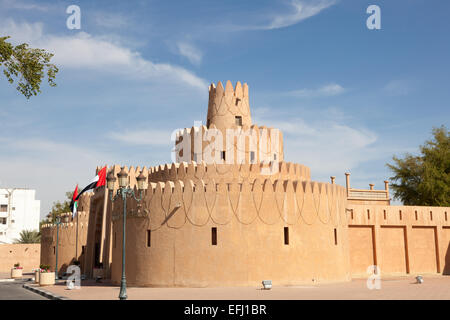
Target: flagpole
76	241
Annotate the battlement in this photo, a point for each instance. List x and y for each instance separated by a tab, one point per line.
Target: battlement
226	173
201	200
226	104
218	172
233	145
67	221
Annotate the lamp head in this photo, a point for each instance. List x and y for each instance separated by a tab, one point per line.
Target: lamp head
141	181
123	178
110	180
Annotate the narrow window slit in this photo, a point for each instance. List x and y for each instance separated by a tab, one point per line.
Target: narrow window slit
214	236
286	235
149	238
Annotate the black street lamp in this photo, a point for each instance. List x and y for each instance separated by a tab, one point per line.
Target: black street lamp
123	192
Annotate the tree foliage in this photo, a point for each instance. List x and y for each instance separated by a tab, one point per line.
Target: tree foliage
424	179
59	208
29	236
28	66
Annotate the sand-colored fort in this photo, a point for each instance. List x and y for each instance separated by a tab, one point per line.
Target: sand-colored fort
233	213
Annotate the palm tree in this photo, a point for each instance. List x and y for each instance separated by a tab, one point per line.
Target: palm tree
29	236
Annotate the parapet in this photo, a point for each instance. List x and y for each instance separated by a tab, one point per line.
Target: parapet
367	196
226	173
179	202
232	145
226	106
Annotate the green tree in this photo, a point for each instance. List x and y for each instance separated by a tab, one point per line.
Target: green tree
29	236
424	179
27	65
58	208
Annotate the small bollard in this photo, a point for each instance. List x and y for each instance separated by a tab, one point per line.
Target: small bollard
267	284
419	279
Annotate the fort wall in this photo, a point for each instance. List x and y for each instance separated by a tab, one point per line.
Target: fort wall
400	240
27	254
292	232
67	238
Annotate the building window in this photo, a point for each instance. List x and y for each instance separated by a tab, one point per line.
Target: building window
3	208
2	220
384	213
214	236
13	208
222	155
286	235
238	120
12	221
415	213
237	101
275	156
83	249
445	215
335	237
149	238
400	214
54	250
368	214
431	215
252	156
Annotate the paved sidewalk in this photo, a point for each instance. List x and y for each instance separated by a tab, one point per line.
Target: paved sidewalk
434	287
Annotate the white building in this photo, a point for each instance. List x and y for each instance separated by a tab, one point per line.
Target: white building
19	210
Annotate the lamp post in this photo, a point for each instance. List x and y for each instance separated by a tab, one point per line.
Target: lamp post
57	222
123	192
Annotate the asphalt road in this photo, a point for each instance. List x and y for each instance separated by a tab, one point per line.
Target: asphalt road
14	291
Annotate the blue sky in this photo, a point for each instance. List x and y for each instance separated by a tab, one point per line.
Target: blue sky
346	98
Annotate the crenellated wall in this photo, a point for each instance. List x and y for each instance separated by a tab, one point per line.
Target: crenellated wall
206	143
226	103
67	251
250	221
224	172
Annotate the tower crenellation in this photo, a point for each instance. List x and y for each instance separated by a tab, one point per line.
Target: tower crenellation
227	104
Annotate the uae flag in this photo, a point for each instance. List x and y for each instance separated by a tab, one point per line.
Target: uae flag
99	181
74	203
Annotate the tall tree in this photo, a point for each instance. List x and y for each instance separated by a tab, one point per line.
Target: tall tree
424	179
28	66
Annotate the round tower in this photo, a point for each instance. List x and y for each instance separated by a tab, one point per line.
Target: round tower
228	107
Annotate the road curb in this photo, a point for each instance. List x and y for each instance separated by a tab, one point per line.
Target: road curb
44	293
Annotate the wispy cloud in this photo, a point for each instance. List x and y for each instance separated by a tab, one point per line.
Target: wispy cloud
148	137
96	53
331	89
328	146
188	50
110	20
23	5
398	88
299	11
